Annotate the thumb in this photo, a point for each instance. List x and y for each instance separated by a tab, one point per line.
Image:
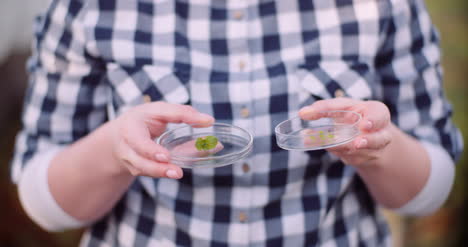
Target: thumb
175	113
320	108
199	120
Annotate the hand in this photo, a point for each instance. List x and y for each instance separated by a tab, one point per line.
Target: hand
134	131
375	129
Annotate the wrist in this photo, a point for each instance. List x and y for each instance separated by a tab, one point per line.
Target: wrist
96	153
113	166
404	160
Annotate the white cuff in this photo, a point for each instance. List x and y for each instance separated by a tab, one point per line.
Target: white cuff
36	199
437	187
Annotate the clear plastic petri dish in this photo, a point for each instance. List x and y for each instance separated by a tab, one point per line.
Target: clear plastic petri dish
194	147
333	129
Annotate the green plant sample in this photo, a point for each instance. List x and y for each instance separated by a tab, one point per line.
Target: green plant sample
322	135
206	143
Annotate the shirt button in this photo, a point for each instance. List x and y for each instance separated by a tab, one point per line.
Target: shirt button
238	15
244	112
242	217
146	98
241	65
339	93
245	168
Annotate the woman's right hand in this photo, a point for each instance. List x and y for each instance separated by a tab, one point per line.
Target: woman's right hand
134	148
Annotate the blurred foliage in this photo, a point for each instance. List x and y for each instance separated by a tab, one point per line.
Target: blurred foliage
447	226
444	228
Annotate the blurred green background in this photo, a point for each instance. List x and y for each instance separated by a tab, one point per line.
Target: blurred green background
447	226
444	228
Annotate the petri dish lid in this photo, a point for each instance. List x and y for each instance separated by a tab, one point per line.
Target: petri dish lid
333	129
194	147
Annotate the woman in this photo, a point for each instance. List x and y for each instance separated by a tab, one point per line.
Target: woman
108	76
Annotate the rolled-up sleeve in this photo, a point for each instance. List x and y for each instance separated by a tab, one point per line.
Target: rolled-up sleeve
66	98
411	77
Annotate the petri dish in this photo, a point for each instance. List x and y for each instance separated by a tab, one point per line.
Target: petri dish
233	144
333	129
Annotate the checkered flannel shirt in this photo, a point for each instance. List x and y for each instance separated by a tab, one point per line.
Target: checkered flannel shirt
251	63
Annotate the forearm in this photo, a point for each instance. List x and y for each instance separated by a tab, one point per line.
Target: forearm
85	180
400	173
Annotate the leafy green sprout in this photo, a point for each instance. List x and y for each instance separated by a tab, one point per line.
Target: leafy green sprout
322	136
206	143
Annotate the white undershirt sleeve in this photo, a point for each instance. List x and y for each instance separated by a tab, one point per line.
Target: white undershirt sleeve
437	187
36	199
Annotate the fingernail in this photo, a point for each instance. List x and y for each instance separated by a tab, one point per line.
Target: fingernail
362	143
172	174
369	125
162	157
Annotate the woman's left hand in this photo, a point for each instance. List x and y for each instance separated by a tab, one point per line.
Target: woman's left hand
375	129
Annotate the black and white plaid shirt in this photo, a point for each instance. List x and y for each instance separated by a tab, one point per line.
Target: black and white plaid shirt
251	63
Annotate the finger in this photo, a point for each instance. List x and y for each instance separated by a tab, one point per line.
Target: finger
343	149
375	116
317	109
158	170
150	150
372	141
353	155
139	166
139	139
175	113
135	172
358	157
